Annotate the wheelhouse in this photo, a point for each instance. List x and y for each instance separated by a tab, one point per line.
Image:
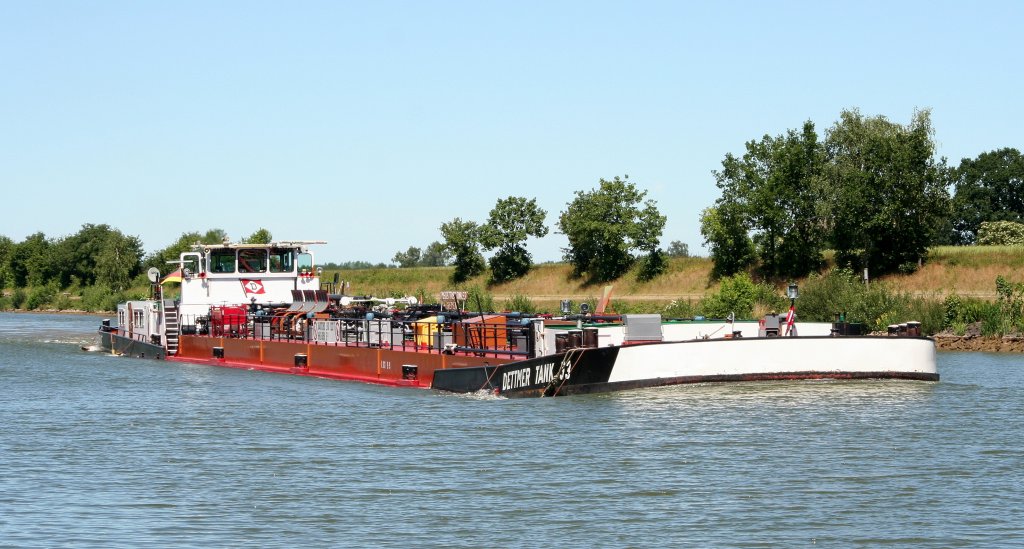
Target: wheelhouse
256	274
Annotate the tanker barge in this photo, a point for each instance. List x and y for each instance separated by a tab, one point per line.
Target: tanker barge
264	307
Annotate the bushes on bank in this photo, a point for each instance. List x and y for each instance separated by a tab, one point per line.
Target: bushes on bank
679	308
520	303
988	318
479	300
739	295
18	298
878	305
97	298
40	296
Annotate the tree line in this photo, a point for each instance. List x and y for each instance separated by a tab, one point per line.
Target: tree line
610	229
97	257
871	190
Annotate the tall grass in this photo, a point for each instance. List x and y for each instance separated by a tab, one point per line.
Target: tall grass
521	304
545	283
878	305
977	256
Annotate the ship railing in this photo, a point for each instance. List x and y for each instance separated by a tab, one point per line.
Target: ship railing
509	338
136	336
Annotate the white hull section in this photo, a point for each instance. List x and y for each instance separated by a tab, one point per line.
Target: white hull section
760	358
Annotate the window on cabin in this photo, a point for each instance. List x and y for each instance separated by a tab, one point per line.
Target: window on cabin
282	261
222	261
252	261
190	265
306	263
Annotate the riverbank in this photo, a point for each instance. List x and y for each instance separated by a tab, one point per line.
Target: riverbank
968	271
74	312
1005	344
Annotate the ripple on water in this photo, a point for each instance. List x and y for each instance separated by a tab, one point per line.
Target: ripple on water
105	451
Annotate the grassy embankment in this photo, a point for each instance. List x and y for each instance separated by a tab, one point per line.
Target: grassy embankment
545	285
964	270
967	271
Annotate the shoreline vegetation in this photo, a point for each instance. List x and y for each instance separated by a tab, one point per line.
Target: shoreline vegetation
967	297
983	344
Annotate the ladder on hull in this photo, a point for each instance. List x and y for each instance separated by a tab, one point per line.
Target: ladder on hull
171	329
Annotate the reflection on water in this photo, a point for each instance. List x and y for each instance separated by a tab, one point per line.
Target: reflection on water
780	393
98	450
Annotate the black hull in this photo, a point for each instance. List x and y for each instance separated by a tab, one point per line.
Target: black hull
114	343
575	372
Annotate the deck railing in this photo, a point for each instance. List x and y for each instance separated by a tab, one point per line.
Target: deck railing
508	338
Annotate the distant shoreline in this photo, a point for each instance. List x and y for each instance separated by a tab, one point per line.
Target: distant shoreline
56	312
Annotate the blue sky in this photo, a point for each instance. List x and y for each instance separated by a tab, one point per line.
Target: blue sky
369	124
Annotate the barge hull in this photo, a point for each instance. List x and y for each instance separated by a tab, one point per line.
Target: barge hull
577	371
582	371
114	343
379	365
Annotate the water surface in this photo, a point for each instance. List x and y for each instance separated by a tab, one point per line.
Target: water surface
105	451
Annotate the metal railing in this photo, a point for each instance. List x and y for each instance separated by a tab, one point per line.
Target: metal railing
512	338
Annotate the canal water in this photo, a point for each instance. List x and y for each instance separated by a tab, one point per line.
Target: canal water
101	451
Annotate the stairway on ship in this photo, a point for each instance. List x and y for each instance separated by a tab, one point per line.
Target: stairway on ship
170	326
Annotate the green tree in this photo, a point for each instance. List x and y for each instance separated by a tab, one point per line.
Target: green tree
651	265
32	261
510	223
462	239
726	236
78	253
164	258
1000	233
408	258
884	190
436	255
119	261
606	225
6	249
774	188
677	248
261	236
987	188
214	236
737	294
647	240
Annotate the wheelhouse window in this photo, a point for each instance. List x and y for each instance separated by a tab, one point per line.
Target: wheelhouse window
222	261
252	261
282	261
306	263
190	265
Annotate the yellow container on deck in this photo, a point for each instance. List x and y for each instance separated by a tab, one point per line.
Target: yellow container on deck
425	330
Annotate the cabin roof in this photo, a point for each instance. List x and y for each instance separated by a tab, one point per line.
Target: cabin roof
239	245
